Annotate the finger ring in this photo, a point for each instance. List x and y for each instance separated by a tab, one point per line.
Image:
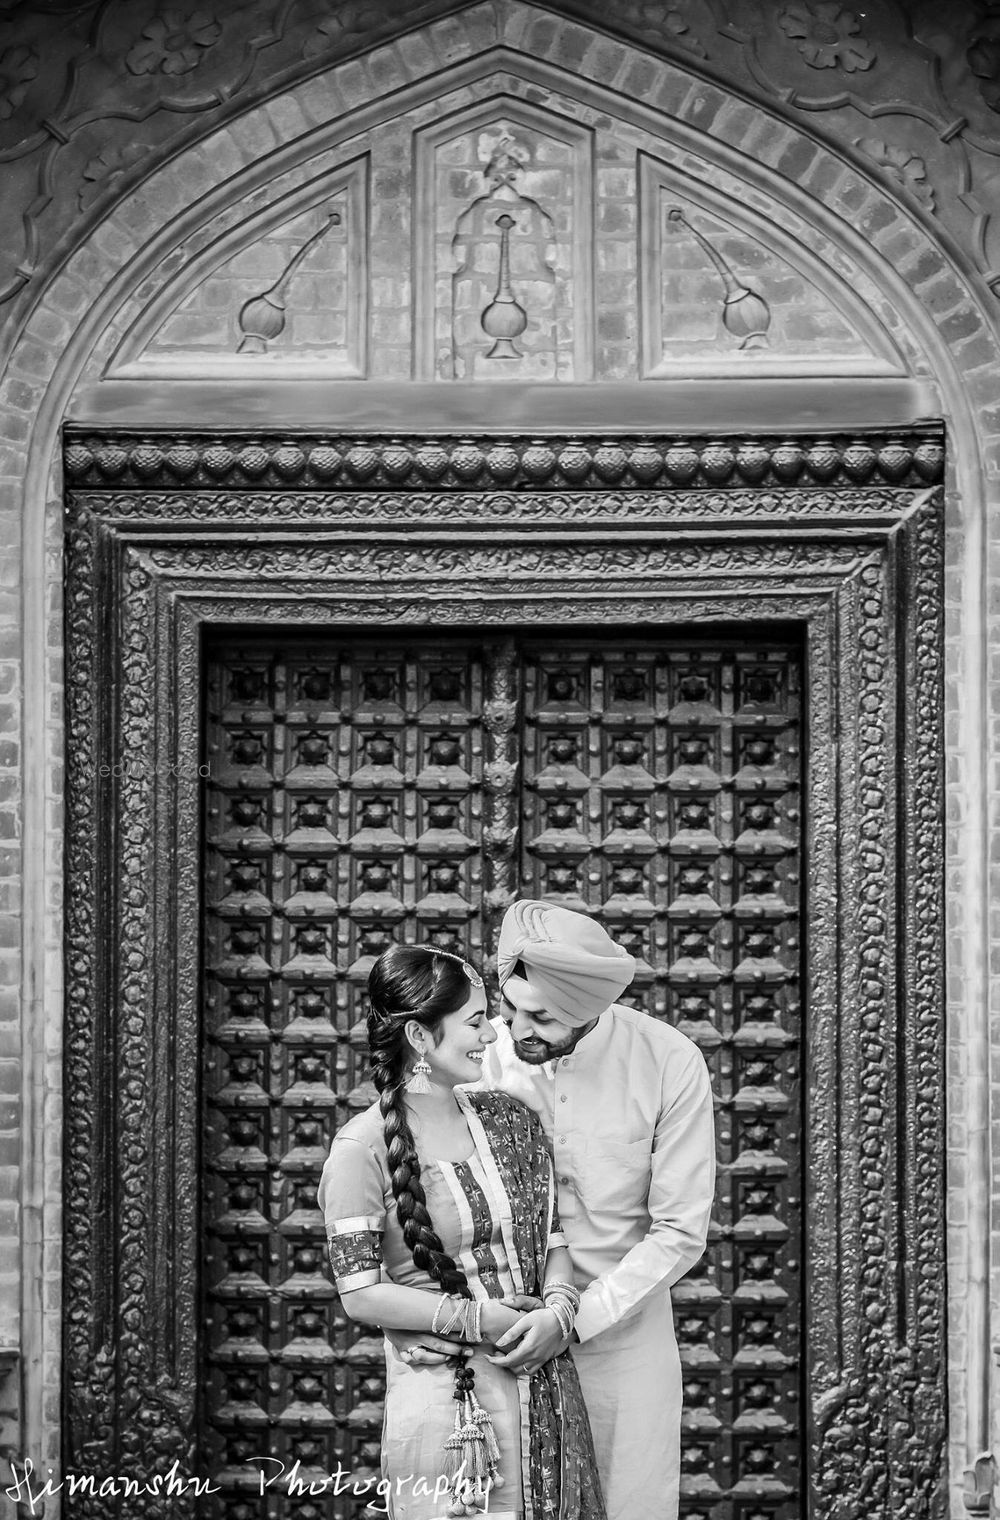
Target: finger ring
407	1353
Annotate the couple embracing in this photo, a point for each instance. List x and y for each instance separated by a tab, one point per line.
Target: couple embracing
517	1239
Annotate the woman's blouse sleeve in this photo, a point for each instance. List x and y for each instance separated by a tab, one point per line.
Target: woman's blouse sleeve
351	1198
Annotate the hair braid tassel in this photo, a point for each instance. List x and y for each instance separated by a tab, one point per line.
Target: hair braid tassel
471	1452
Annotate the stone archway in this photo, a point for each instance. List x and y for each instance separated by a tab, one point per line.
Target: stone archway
51	377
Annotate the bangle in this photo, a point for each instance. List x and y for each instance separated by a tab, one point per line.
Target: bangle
564	1315
471	1311
435	1328
563	1298
567	1289
457	1320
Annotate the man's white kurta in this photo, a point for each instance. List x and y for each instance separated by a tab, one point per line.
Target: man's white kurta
629	1115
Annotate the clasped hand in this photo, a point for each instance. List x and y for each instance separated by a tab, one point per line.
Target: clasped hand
536	1337
519	1327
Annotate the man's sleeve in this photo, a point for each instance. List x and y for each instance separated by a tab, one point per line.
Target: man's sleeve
682	1184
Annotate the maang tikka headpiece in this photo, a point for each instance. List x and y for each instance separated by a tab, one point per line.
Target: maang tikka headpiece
449	955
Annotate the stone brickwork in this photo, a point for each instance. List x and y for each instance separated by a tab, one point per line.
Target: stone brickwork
617	273
924	270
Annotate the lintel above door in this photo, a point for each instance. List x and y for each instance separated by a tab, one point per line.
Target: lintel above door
789	405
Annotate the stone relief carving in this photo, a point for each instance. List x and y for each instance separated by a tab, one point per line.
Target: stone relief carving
503	258
18	67
934	69
505	234
174	43
503	261
745	313
673	23
106	169
353	18
983	54
827	35
723	288
550	293
285	286
904	168
262	319
229	312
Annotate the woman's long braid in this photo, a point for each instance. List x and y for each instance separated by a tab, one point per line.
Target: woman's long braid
407	1189
389	1049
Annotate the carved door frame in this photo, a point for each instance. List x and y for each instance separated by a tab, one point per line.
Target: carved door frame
170	535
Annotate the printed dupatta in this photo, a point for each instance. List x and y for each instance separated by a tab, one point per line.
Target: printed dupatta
562	1469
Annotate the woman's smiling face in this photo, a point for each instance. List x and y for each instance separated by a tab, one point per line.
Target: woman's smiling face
455	1052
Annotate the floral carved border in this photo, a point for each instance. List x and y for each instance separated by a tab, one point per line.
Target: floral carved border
866	590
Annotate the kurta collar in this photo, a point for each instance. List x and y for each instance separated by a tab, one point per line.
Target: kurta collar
593	1045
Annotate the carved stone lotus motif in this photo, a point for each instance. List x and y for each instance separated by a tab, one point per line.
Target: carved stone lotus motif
174	42
830	35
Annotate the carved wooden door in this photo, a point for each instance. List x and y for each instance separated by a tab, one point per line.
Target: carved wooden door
367	790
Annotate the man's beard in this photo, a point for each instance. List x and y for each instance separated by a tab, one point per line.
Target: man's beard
537	1052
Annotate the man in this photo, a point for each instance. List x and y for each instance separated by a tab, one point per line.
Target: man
627	1106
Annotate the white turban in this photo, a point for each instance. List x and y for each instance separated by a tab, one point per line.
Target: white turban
573	961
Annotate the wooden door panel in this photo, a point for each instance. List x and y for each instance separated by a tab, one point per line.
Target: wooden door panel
659	787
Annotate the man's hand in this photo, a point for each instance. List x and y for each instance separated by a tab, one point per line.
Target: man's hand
422	1349
534	1340
522	1301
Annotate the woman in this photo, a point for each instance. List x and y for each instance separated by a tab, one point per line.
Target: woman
450	1195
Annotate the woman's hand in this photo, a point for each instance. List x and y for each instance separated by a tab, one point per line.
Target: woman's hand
497	1318
533	1341
422	1349
522	1301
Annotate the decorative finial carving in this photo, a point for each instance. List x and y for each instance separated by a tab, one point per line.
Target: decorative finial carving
505	318
745	313
523	234
262	318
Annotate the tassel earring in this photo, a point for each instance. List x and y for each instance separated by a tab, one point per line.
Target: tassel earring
417	1081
